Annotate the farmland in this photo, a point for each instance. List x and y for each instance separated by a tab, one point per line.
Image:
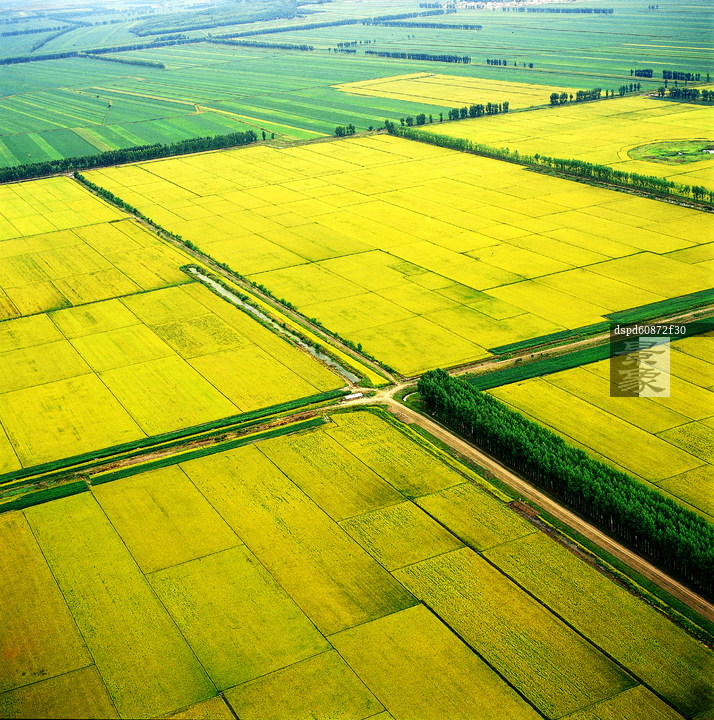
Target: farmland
116	371
673	435
605	133
425	256
448	91
199	519
106	341
198	564
76	106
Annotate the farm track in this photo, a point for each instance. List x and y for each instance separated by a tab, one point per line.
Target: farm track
545	502
632	559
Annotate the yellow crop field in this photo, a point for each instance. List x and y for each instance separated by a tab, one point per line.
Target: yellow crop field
41	639
330	475
100	255
452	91
621	125
138	508
634	704
264	572
674	435
408	659
77	694
474	516
24	214
400	535
425	256
113	372
28	367
407	467
597	429
214	708
231	589
64	418
323	686
533	650
638	636
115	609
120	347
335	583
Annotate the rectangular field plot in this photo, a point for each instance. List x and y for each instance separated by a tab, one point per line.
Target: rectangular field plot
441	90
323	686
41	639
603	133
532	649
232	589
76	694
65	418
329	576
365	235
673	435
150	594
407	467
89	261
409	658
139	506
330	475
637	636
141	365
115	609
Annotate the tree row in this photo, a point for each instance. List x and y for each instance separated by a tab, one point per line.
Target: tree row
656	526
577	168
127	155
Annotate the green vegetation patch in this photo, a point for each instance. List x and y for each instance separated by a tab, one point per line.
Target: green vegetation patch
538	368
676	152
43	496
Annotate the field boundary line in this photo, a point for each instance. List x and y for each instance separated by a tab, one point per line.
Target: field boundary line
675	588
74	619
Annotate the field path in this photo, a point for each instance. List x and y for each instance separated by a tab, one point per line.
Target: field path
572	520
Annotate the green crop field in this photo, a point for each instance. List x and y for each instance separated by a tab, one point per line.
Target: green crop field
426	257
674	435
76	106
289	573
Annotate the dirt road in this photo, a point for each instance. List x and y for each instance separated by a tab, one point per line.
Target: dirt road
592	533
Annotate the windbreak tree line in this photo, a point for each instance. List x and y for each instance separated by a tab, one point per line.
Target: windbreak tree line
677	75
580	96
687	94
675	538
578	11
127	155
258	44
33	31
420	56
122	61
577	168
428	25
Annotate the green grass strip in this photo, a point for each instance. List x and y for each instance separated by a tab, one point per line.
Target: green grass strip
242	419
539	367
552	337
663	307
43	496
202	452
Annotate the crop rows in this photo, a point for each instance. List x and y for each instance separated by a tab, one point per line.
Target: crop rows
674	434
261	570
424	256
